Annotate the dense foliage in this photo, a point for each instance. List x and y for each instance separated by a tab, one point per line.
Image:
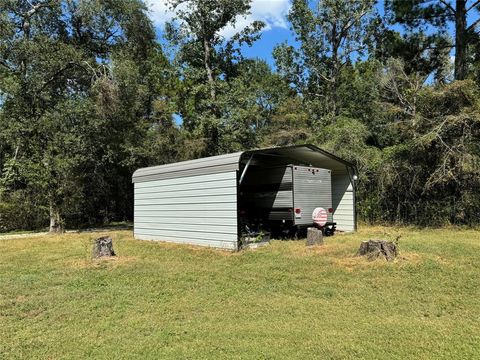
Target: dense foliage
87	95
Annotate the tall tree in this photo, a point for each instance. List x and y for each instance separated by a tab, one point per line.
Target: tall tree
422	53
207	60
58	91
331	35
201	23
462	14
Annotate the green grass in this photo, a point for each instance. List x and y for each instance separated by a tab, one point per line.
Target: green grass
283	301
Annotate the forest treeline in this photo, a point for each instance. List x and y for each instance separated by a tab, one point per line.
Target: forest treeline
88	94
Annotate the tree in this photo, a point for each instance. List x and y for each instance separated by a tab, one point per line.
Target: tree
289	124
207	61
433	151
423	54
417	15
332	34
58	87
201	23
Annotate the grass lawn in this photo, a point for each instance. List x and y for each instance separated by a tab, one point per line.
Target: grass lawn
283	301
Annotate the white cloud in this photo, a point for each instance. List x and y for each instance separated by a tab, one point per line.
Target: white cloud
271	12
159	12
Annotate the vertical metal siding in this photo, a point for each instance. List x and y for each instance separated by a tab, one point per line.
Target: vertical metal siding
343	202
198	210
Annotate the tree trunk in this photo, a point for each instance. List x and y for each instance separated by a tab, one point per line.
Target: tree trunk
374	249
56	222
335	69
208	68
212	132
103	246
460	40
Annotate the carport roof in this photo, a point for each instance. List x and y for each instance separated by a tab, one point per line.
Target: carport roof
299	154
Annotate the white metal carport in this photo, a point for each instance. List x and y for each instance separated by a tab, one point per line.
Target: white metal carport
195	201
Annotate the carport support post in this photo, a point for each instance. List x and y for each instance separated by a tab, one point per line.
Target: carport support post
245	170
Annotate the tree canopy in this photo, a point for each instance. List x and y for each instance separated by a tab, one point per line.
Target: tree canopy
88	95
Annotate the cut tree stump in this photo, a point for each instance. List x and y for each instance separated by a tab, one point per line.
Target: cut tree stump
103	246
374	249
314	236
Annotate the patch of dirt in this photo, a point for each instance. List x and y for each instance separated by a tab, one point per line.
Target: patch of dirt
20	299
33	313
355	262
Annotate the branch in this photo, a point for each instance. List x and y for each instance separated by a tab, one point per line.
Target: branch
437	47
348	25
475	23
348	52
5	65
59	72
473	5
429	17
447	4
35	8
55	75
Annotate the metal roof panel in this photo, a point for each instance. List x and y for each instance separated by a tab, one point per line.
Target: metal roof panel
301	154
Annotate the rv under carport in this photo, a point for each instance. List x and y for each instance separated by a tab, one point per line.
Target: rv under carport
198	201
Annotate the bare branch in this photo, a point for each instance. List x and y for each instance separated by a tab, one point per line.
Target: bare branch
473	25
355	20
56	74
36	7
473	5
330	80
447	4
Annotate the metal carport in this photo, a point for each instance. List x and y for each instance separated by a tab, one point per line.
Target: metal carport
195	201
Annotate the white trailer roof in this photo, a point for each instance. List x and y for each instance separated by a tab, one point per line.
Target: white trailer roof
299	154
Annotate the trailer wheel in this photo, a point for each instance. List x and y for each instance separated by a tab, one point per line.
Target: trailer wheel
329	229
300	233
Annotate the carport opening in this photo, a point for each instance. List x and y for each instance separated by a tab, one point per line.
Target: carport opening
265	199
279	189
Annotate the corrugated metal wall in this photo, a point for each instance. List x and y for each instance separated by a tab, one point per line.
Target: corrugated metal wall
199	210
343	202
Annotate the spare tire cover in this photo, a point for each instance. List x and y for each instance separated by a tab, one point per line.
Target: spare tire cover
320	216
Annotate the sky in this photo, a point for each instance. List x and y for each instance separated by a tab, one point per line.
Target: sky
272	12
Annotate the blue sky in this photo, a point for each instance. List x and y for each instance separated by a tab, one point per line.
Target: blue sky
263	47
271	12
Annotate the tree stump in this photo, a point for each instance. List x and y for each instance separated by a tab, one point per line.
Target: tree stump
374	249
103	246
314	236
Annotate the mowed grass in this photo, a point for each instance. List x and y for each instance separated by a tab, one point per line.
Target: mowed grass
283	301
